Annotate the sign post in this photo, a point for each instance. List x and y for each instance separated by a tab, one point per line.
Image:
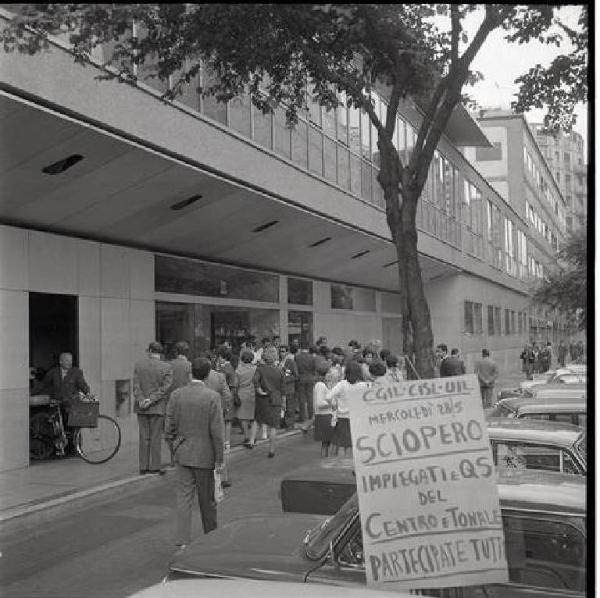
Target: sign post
427	493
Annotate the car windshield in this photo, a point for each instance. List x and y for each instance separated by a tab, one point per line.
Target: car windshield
317	540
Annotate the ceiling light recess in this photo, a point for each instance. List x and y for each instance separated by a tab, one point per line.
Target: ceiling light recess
265	226
62	165
184	203
320	242
360	254
390	264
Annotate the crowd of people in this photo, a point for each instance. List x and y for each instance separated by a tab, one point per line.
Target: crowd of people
539	358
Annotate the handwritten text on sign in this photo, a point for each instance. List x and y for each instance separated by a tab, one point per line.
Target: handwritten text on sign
427	493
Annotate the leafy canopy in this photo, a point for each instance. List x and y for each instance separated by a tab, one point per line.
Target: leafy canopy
565	286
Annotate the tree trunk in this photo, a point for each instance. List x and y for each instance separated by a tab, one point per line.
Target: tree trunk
401	217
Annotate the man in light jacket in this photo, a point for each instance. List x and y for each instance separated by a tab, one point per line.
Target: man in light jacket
152	379
194	430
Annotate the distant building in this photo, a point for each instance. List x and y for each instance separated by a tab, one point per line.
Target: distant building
565	155
517	168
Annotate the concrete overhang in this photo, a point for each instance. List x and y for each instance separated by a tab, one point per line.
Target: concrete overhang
464	131
121	192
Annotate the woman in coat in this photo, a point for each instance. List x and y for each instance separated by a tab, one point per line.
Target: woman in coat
269	384
244	391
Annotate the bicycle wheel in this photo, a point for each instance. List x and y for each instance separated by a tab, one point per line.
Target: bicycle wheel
41	437
99	444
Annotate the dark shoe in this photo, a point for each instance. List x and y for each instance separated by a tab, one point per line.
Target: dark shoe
249	445
226	483
144	471
158	471
271	455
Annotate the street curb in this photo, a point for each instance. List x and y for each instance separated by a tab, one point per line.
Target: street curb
53	504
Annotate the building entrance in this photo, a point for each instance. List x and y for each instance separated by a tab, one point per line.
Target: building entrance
205	327
52	330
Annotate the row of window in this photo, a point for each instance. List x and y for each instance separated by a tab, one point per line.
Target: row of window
515	322
543	186
541	226
341	146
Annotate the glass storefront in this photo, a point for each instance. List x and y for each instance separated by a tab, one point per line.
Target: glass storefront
300	328
206	326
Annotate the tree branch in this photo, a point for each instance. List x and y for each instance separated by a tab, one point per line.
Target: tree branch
456	28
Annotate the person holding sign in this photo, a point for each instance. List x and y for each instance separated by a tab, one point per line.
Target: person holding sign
339	396
487	372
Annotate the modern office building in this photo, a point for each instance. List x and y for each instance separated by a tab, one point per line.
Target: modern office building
517	168
125	218
566	158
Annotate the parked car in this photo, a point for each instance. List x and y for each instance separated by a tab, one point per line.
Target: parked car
521	443
252	588
568	407
543	513
564	375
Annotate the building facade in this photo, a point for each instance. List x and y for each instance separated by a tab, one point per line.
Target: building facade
126	219
516	167
566	158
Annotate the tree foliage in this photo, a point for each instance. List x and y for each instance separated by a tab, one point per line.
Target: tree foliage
565	286
341	52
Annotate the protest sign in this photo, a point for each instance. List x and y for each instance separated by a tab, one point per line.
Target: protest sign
427	493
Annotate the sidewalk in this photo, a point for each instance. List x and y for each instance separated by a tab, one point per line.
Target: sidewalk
48	484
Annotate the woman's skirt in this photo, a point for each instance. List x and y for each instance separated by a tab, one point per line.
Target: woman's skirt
323	428
267	414
341	435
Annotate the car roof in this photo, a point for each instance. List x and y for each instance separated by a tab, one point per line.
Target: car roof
545	404
561	390
533	430
253	588
541	490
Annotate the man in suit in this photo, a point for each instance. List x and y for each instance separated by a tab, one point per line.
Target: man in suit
194	428
441	352
182	371
217	381
63	382
152	379
487	372
305	363
453	365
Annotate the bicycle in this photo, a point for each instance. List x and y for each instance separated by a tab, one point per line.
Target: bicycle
96	440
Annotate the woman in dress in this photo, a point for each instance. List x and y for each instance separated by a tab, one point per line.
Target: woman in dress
323	430
269	384
244	391
339	396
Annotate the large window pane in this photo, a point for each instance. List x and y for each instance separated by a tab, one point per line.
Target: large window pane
366	187
330	159
262	128
342	120
314	109
468	324
239	114
490	320
282	134
315	150
355	184
300	291
342	297
364	299
343	167
329	117
191	277
374	134
300	328
210	107
354	120
300	144
364	134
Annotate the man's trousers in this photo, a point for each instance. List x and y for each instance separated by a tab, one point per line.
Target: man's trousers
192	480
151	434
487	396
304	392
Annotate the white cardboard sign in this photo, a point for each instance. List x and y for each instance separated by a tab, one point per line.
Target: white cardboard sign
427	493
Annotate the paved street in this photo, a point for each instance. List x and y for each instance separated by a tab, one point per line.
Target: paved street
124	543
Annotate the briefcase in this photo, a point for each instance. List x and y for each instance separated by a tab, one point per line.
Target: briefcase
83	414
